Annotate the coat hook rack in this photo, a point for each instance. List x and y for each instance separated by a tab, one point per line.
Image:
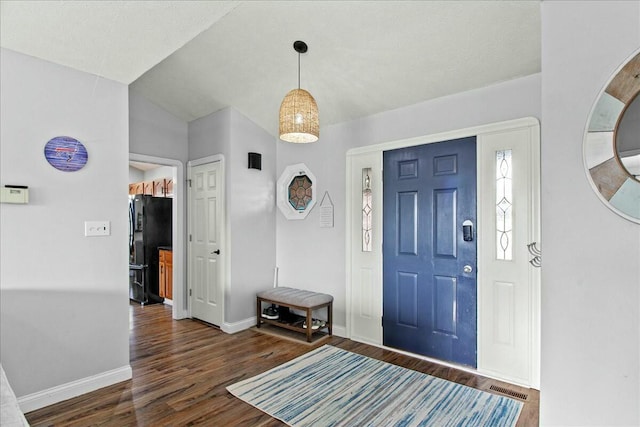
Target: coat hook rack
536	261
533	249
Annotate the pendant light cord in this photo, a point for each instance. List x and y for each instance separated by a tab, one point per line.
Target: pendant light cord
298	70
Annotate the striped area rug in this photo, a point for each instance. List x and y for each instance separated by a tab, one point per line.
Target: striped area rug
333	387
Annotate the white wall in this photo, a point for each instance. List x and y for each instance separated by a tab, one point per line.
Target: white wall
210	135
155	132
158	173
310	257
591	257
64	298
250	201
251	207
135	175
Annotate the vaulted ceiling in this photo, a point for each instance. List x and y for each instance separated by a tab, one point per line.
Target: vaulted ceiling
196	57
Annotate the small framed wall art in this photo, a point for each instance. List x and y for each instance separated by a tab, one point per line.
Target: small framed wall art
296	191
66	153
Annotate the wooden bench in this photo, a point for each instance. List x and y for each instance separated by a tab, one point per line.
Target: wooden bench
296	299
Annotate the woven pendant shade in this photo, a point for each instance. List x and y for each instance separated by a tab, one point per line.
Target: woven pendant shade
299	117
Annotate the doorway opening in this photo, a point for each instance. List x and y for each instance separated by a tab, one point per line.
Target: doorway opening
168	177
508	282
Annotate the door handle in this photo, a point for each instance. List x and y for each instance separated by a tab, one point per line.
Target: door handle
217	252
467	268
467	231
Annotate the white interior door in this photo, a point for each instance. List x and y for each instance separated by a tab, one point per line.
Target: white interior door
205	235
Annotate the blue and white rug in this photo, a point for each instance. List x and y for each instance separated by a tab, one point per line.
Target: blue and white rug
333	387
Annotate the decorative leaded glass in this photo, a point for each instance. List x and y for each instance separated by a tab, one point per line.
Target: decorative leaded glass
300	192
504	206
366	210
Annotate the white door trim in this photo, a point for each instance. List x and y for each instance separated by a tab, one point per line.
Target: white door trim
445	136
179	310
225	265
351	195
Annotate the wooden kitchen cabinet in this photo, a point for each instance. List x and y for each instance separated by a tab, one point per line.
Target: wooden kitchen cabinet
147	188
162	187
136	188
159	188
166	273
168	187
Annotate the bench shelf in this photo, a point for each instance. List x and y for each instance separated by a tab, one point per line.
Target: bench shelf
293	321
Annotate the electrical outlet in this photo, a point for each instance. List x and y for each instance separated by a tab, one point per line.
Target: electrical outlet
97	228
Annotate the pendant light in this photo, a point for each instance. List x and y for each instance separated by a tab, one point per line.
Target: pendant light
299	112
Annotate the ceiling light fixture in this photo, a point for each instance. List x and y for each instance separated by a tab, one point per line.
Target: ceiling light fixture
299	112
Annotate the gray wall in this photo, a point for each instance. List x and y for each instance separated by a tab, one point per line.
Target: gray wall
313	258
250	202
210	135
155	132
135	175
251	208
64	297
158	173
590	256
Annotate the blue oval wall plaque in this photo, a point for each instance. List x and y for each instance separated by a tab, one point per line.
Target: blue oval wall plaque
66	154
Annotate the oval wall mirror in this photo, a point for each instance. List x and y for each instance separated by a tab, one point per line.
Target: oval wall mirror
612	142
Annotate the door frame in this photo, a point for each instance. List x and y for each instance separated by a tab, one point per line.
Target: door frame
225	265
374	153
179	310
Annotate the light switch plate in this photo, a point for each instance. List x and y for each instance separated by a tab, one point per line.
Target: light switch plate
97	228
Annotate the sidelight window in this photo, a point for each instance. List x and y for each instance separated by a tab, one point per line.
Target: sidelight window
366	210
504	205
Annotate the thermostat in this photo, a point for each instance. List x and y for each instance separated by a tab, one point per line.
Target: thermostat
14	194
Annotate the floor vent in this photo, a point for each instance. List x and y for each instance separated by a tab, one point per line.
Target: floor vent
508	392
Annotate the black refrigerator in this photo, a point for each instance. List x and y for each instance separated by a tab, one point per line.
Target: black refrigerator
149	228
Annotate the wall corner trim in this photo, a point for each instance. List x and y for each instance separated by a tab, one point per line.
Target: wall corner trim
232	328
56	394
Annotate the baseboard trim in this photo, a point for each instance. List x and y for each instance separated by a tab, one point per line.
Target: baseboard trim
52	395
232	328
340	331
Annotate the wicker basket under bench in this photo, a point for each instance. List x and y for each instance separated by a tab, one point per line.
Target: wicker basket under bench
296	299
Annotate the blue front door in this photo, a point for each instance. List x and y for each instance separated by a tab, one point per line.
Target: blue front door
429	269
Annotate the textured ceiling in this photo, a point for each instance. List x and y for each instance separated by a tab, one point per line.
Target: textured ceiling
119	40
365	57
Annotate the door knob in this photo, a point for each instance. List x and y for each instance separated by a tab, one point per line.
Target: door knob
217	252
467	269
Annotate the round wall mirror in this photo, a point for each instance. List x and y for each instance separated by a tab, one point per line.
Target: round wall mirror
612	142
627	138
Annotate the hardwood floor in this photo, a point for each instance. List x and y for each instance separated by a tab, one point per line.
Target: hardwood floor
181	370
